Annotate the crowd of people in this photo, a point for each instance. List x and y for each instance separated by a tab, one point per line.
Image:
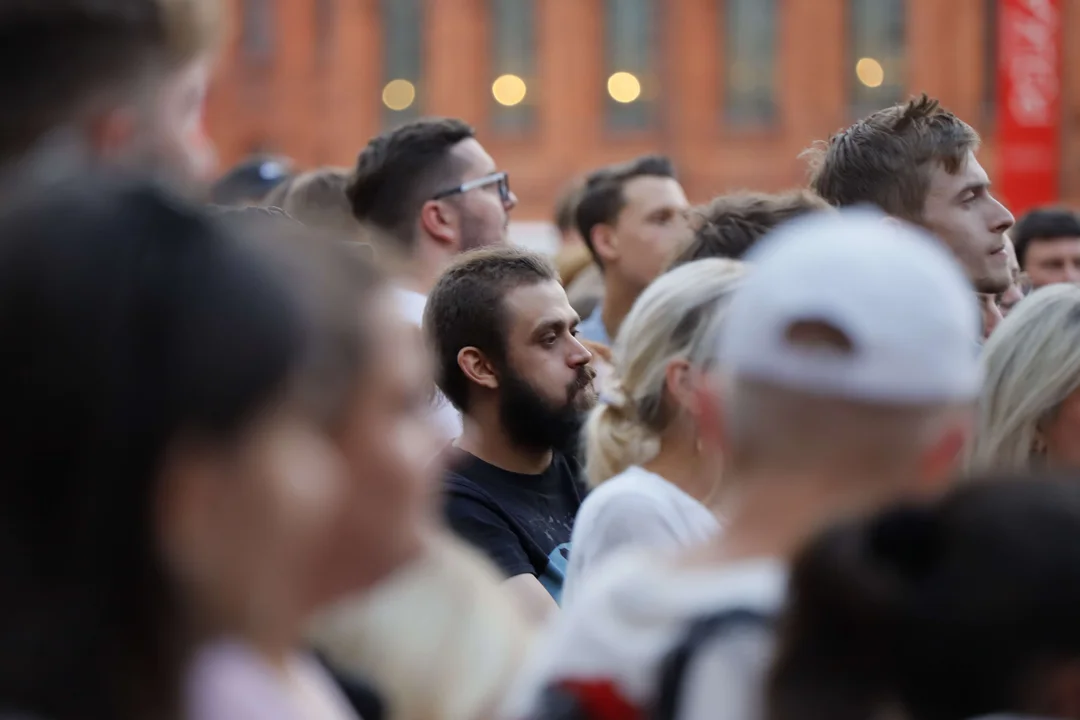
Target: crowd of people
322	444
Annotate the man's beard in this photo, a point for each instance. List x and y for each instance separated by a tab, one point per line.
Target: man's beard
475	233
532	423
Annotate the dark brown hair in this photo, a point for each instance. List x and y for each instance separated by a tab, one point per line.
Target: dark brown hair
401	170
74	54
1043	224
465	309
730	225
887	158
602	198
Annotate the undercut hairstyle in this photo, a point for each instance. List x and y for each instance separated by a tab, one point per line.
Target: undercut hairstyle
466	309
602	197
401	170
731	224
71	59
960	608
887	158
1043	224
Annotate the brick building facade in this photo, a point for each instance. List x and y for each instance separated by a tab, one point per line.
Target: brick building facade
732	90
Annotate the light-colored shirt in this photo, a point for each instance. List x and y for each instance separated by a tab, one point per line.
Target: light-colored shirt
412	304
626	623
636	508
592	328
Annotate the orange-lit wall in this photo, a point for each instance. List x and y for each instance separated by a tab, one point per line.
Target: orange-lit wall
320	105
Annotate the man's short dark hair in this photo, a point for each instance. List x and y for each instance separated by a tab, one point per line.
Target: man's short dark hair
401	170
68	56
1043	224
602	198
730	225
887	158
466	309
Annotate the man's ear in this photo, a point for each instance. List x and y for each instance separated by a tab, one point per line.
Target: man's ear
605	243
477	368
439	221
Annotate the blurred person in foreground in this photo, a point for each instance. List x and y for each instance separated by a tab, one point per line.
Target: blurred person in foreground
1029	414
171	483
631	216
251	181
839	393
1048	246
428	190
730	225
916	161
652	484
1019	286
120	82
962	609
508	357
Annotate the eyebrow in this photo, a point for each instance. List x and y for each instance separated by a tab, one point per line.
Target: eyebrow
974	187
556	324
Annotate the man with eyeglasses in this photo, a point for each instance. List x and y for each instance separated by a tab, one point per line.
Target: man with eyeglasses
427	191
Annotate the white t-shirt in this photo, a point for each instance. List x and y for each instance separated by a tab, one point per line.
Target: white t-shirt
634	508
622	628
412	304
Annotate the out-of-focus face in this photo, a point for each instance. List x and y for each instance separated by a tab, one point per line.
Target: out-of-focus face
242	524
484	216
651	225
1053	260
1013	294
1061	435
545	387
389	439
960	210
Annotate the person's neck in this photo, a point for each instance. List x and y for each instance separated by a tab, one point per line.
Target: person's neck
680	464
774	515
618	299
488	441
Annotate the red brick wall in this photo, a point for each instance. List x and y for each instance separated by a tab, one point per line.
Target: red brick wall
321	108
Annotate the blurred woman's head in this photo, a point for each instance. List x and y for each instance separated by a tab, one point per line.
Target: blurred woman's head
951	611
1029	413
670	335
169	382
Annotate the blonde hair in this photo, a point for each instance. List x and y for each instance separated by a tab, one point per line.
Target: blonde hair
439	641
677	317
317	199
1032	363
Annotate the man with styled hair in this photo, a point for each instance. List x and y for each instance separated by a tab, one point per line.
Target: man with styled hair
916	161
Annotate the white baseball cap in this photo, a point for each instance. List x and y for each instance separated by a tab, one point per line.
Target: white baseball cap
894	291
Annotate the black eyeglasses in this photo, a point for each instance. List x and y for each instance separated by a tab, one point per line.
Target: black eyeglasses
502	179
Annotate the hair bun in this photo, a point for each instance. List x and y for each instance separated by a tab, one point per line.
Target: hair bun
908	538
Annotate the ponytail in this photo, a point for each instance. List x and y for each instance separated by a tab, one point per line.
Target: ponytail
615	438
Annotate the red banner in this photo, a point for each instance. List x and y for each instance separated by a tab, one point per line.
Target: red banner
1029	102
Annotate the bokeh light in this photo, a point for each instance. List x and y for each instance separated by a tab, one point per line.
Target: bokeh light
508	90
624	87
870	72
398	94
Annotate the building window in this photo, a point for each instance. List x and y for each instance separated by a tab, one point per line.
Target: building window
749	61
257	30
513	63
629	84
403	60
876	40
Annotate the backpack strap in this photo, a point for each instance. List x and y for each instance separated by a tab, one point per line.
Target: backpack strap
702	631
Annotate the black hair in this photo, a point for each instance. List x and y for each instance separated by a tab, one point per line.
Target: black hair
1042	224
401	170
953	610
602	199
127	319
